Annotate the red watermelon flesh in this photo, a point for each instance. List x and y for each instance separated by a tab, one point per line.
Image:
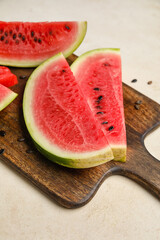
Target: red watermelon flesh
6	96
7	78
59	119
27	44
98	73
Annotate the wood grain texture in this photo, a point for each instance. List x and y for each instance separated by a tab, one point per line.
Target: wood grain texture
74	188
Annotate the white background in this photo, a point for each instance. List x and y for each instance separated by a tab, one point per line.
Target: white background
121	209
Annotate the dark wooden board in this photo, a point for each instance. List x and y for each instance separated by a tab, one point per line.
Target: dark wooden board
74	188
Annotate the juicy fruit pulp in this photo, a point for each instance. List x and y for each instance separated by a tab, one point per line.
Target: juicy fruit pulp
98	73
27	44
59	119
6	96
7	78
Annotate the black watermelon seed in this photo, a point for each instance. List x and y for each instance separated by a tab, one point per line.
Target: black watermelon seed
134	80
17	41
39	40
14	36
1	30
99	107
100	98
2	133
106	64
110	128
96	89
10	32
100	113
32	33
6	41
20	35
35	39
6	34
63	70
67	27
149	82
22	77
137	106
104	122
21	139
23	38
2	38
138	102
50	32
29	151
1	150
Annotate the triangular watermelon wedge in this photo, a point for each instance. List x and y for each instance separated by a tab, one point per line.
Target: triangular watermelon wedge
59	119
6	96
98	73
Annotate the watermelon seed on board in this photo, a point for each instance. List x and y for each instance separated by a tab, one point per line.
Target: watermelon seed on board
137	106
134	80
2	133
23	77
21	139
1	150
138	102
29	151
149	82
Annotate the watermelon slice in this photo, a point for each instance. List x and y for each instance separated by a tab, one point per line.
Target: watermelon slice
7	78
6	96
59	119
27	44
98	73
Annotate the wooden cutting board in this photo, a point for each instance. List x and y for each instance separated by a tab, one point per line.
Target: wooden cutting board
74	188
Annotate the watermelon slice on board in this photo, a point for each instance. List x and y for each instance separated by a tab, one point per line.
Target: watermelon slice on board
98	73
27	44
6	96
7	78
59	119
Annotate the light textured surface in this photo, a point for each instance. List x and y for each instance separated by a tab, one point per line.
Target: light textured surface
121	209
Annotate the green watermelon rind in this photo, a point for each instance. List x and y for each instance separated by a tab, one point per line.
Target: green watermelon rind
75	162
82	28
7	100
52	152
119	151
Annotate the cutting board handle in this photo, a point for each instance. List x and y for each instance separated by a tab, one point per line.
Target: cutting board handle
143	167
